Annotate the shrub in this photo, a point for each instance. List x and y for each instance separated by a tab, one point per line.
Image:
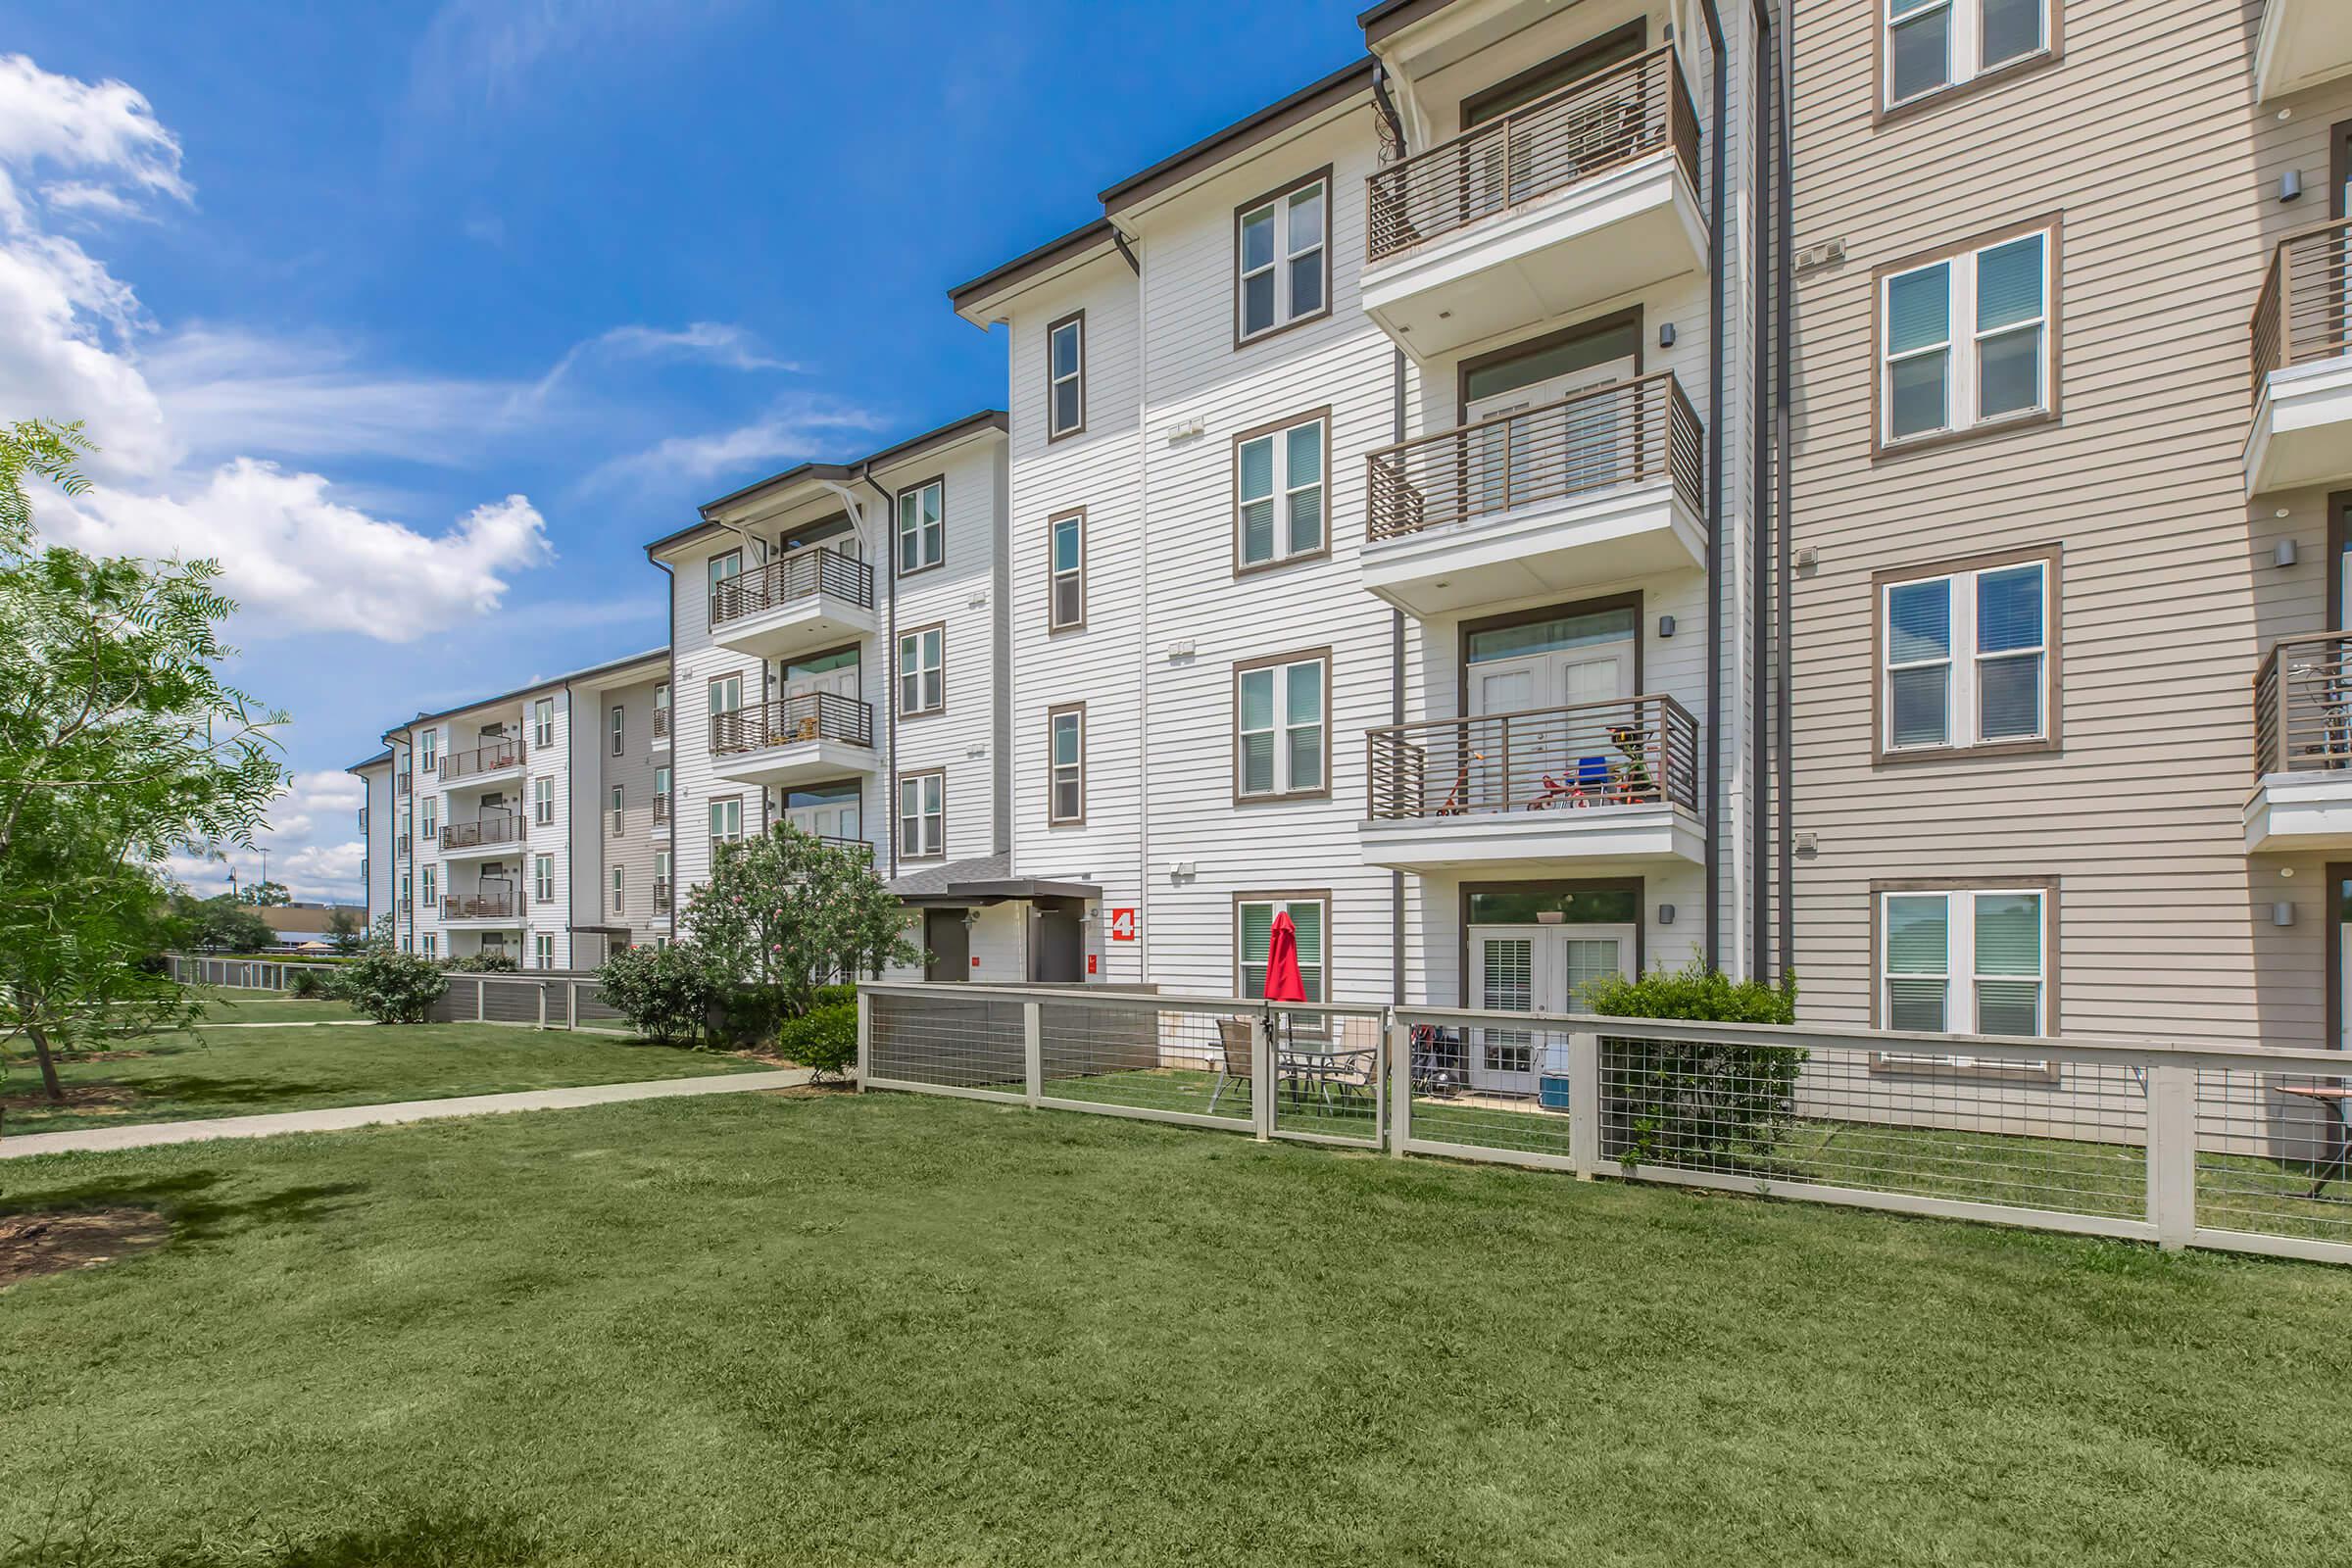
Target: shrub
394	987
825	996
301	981
1691	1102
482	963
825	1038
664	992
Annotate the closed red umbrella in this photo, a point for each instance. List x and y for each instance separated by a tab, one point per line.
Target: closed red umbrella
1284	983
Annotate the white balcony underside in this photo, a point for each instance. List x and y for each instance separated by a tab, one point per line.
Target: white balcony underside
507	850
1551	547
2302	43
801	626
493	922
2302	430
1576	839
1547	258
2293	812
796	762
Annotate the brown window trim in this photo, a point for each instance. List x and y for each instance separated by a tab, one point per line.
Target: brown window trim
897	814
1883	113
1634	599
1056	628
1053	714
1233	729
1242	568
2340	535
2053	327
2051	1023
898	679
1630	316
2051	557
1288	895
1635	884
1330	229
1053	435
897	556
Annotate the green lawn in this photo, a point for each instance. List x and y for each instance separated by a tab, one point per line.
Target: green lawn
896	1330
236	1072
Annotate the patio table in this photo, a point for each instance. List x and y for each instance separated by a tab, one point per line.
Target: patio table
1313	1072
2338	1099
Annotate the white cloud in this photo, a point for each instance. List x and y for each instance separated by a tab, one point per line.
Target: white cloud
715	342
312	841
105	128
80	196
789	432
484	52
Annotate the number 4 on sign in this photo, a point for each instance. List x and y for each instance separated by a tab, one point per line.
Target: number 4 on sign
1122	925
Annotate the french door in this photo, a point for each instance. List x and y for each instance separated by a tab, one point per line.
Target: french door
1541	453
1544	754
1535	968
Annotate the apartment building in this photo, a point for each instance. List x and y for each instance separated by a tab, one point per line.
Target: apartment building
534	824
377	875
841	658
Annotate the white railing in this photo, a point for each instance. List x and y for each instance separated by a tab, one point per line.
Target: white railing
2230	1147
243	974
540	999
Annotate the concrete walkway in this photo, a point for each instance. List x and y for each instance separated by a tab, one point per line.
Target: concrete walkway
340	1118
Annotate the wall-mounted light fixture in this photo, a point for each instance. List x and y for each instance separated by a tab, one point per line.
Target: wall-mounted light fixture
2290	186
1665	625
2282	913
2284	554
1665	915
1665	334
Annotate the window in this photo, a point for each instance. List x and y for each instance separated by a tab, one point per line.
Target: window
620	803
1066	765
430	817
543	722
720	568
1281	263
619	728
1278	714
1934	44
433	879
1965	960
1966	657
1278	492
1253	922
726	820
1967	339
1065	376
922	527
619	889
661	707
660	879
543	801
1065	607
542	878
432	946
922	673
661	794
922	816
543	949
428	747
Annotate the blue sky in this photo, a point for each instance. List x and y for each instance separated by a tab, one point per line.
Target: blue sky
424	320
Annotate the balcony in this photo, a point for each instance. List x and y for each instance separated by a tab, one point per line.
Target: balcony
660	898
487	836
2302	43
661	811
1548	788
402	847
489	905
486	761
800	602
794	740
2302	795
1576	198
402	783
661	726
1600	486
2302	364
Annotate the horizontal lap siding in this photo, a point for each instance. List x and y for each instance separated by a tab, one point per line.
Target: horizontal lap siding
2147	138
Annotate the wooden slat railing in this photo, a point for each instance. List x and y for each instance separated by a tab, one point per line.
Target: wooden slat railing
788	720
2304	312
1628	432
1587	128
2303	705
1635	750
796	574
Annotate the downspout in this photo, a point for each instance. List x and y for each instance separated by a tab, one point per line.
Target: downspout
1760	542
1386	106
887	568
677	791
1783	377
1143	663
1717	358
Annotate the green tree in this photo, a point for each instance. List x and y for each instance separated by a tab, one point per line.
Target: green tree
120	743
224	924
344	930
264	895
787	912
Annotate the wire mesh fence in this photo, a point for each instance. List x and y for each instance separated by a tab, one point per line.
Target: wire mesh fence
239	975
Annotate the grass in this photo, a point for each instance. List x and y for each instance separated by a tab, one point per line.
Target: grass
886	1328
236	1072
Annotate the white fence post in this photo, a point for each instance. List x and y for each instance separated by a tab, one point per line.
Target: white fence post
2173	1155
571	1005
542	1003
1584	1105
1261	1077
866	1039
481	1001
1400	1088
1033	1050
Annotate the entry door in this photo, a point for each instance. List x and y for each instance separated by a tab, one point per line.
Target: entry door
800	725
1545	453
828	819
1535	968
1546	754
951	945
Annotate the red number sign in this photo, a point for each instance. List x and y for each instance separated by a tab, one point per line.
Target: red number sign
1122	925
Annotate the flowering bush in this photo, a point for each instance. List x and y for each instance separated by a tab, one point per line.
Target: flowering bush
787	913
666	993
393	987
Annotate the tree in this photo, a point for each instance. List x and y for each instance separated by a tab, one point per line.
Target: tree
344	930
120	743
224	924
787	911
664	992
264	895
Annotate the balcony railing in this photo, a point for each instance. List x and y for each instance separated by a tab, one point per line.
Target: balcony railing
660	898
794	575
401	846
661	723
1636	751
506	829
2303	705
661	809
2304	313
787	720
486	906
1628	432
487	758
402	783
1585	129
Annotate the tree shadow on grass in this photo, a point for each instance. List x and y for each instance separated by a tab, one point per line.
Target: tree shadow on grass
86	1530
191	1201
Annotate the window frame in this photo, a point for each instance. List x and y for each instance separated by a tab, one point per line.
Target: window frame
711	581
1054	432
1279	199
1281	899
620	885
1965	659
899	818
898	528
1885	108
709	819
620	811
543	722
543	801
620	729
430	945
1958	950
1961	338
542	878
1054	625
1280	663
915	635
430	876
543	949
1053	766
428	818
1278	431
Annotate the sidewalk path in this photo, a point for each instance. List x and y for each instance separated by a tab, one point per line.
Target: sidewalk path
340	1118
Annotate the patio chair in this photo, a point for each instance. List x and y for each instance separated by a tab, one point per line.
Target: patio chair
1233	1066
